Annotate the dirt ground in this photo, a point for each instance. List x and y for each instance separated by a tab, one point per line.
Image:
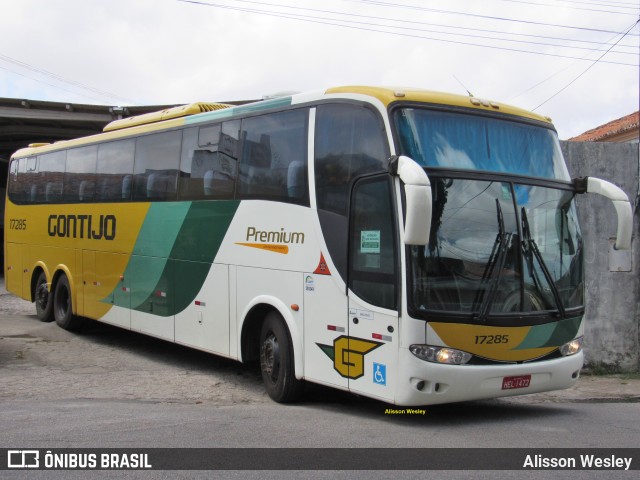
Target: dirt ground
42	360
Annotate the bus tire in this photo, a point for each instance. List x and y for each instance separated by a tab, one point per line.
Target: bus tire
276	360
62	306
43	299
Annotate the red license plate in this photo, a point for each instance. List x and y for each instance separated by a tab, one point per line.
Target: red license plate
520	381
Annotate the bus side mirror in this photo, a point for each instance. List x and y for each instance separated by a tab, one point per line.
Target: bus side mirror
620	202
417	190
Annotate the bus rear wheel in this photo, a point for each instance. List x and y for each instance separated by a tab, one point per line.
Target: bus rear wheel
276	361
43	299
62	306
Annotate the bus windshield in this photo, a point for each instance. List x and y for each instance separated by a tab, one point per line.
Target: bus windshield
498	248
470	142
500	244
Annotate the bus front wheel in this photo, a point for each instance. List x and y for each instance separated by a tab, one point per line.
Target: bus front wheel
43	299
62	306
276	360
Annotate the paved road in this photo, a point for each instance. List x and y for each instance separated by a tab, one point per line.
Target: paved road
106	387
326	422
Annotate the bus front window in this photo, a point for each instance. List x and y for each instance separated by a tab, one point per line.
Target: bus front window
504	233
498	248
461	141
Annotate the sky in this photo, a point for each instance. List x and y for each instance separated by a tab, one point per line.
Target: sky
566	59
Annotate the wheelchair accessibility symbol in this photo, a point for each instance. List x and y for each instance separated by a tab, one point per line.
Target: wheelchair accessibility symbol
379	374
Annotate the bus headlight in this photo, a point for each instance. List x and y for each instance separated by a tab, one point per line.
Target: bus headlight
571	348
440	354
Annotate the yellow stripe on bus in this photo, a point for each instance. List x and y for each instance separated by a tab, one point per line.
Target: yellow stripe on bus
495	343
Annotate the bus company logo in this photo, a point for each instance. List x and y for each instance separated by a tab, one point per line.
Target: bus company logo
348	354
276	241
23	459
91	227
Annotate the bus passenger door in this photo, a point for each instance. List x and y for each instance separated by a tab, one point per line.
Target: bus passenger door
372	353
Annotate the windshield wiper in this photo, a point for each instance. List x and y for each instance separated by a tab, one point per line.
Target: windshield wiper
535	252
497	259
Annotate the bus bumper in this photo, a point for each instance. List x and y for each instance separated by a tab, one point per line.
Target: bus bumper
426	383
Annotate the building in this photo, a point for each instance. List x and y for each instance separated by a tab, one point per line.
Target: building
622	130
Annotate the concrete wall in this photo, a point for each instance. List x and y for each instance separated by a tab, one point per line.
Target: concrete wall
612	337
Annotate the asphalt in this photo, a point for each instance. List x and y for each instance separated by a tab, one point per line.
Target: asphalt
621	387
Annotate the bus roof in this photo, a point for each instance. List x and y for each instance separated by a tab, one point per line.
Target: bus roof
201	112
389	95
166	114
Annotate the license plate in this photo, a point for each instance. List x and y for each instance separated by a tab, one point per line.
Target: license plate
520	381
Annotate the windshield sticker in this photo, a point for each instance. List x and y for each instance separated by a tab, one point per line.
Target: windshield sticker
506	192
370	241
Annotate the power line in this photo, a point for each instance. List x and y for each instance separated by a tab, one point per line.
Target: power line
607	4
404	22
484	37
555	5
489	17
542	81
311	19
586	69
101	99
560	71
27	66
386	4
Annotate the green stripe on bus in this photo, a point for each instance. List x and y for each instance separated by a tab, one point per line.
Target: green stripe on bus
153	247
551	334
242	109
173	255
207	222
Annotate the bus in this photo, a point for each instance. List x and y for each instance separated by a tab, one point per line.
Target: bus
410	246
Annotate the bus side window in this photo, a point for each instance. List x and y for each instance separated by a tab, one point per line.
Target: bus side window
30	179
80	174
50	177
349	141
208	166
156	166
115	162
372	270
34	189
274	157
17	193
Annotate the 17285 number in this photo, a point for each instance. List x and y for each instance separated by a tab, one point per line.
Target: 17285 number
17	224
491	339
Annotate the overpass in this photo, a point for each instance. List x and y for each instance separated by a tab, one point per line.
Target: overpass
30	121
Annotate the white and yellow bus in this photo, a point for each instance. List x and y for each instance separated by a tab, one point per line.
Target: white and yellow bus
406	245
